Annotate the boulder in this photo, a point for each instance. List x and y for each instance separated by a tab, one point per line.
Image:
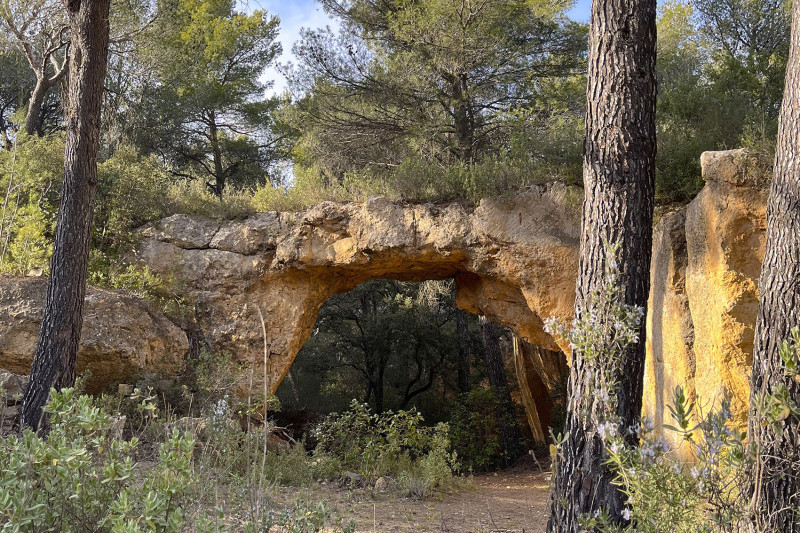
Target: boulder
10	403
122	335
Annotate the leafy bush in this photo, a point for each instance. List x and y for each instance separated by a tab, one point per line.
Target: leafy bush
704	494
78	479
30	184
474	431
389	444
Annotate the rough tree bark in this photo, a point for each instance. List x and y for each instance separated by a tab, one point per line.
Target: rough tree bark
619	176
510	438
776	479
56	352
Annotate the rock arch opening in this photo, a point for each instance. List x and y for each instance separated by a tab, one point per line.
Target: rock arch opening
397	345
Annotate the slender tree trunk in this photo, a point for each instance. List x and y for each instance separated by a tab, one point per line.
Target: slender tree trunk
33	117
510	437
56	353
462	330
776	479
379	390
216	152
619	172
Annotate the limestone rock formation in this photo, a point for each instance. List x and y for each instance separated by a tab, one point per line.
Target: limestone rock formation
121	334
514	260
704	295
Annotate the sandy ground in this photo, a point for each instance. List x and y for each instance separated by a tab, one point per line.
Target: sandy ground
515	500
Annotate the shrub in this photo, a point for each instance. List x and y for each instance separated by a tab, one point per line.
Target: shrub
389	444
78	479
664	494
474	431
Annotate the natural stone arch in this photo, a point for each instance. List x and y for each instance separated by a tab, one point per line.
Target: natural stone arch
513	260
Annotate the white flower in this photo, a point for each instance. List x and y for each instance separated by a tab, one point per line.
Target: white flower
616	447
626	514
695	473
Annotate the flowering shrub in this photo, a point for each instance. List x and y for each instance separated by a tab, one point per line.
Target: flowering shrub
664	494
602	333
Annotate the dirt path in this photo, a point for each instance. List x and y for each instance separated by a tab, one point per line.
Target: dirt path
515	500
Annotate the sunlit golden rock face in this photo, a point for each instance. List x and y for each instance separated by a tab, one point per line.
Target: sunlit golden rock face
704	295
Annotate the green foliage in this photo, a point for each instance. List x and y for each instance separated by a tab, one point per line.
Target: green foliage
15	88
205	110
30	177
389	444
474	431
78	479
721	69
81	479
306	517
393	344
411	95
704	494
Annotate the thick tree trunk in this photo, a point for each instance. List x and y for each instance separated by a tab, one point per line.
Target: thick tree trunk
462	123
462	330
776	479
56	352
619	171
510	438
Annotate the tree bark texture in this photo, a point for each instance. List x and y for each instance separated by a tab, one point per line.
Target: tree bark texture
776	479
510	437
619	177
55	358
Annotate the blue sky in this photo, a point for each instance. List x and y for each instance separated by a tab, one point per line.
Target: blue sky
296	14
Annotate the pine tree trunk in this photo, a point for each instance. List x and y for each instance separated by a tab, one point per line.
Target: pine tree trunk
216	152
619	177
462	331
776	479
33	117
510	438
55	358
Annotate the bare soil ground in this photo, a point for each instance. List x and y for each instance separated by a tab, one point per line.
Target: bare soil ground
514	500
